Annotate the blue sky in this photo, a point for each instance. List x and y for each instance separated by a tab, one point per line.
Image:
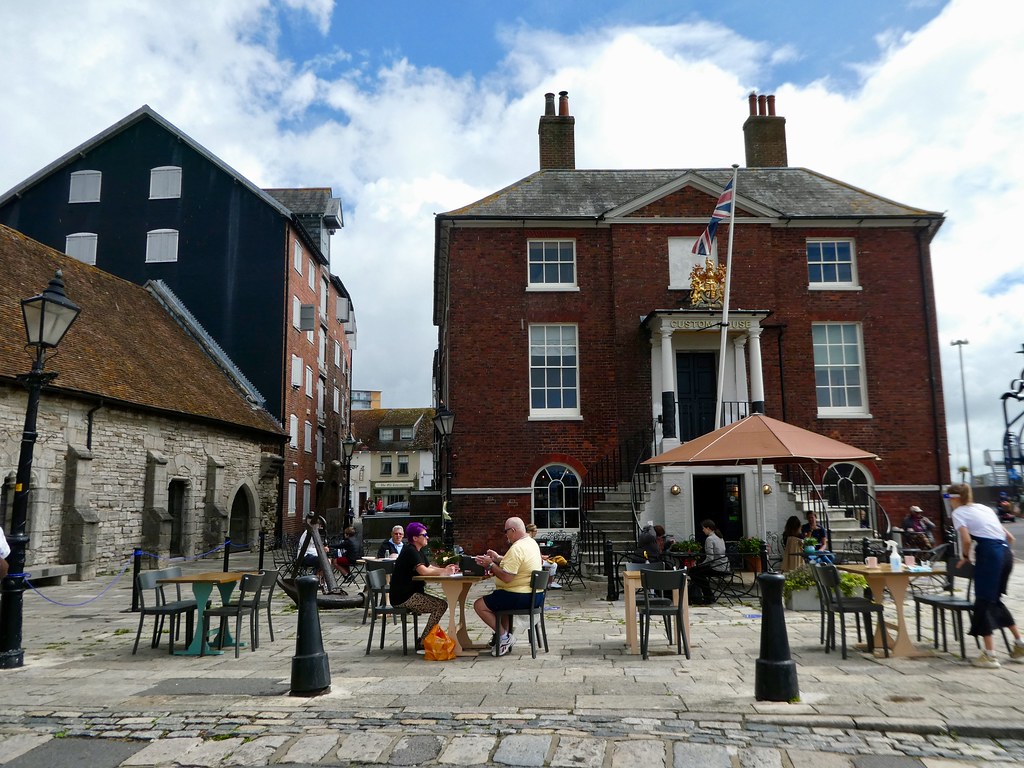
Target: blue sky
406	109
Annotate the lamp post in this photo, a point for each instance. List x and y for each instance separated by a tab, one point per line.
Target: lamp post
47	318
959	344
348	447
444	421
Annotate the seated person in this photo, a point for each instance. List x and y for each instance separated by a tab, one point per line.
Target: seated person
811	528
650	545
392	547
306	555
349	551
715	562
548	564
512	573
917	530
414	560
792	545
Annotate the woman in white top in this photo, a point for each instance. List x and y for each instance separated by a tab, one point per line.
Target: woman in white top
979	526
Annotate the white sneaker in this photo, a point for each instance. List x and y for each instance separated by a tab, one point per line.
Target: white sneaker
1017	652
506	645
985	661
554	586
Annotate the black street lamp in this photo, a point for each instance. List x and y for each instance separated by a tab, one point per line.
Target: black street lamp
348	447
47	318
444	422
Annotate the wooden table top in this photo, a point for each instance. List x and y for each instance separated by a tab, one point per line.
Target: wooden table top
211	577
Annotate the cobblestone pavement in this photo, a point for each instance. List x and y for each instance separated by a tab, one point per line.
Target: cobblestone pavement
83	699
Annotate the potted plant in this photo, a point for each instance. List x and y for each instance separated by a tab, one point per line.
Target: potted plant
801	593
750	548
689	549
810	544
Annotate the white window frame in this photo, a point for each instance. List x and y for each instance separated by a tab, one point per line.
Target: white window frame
307	497
85	187
337	400
297	256
296	372
311	279
296	313
293	431
307	439
309	382
161	246
82	246
539	341
386	467
555	244
853	284
337	354
165	182
405	433
835	362
292	493
403	464
542	485
682	260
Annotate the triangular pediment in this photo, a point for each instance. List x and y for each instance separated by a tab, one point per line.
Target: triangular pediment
690	196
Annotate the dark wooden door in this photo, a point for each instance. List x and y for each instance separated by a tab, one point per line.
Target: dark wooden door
697	389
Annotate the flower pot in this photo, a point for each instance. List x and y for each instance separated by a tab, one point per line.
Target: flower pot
753	563
803	600
809	550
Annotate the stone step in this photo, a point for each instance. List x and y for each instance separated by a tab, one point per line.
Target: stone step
50	575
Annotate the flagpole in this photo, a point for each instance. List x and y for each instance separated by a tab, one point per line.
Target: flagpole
725	304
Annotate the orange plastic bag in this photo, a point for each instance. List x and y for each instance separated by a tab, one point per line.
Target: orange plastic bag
438	646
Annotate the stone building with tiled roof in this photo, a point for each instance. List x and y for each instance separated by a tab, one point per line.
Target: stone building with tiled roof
394	454
569	342
146	438
251	267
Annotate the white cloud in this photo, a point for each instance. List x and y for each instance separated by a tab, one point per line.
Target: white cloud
936	124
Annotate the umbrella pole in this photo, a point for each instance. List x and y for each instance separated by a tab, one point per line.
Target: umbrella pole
760	500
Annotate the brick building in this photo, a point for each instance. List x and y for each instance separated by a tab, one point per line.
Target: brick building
566	330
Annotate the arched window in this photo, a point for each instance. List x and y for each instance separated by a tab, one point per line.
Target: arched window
556	498
847	486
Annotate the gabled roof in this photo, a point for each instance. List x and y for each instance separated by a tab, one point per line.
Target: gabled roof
310	201
124	348
791	193
366	428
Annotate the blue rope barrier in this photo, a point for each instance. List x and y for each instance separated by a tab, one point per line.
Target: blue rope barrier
157	557
86	602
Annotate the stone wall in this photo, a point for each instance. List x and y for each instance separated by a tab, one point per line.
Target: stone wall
88	503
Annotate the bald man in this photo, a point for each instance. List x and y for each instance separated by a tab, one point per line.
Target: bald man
512	574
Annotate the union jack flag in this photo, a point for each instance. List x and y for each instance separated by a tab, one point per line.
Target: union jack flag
722	211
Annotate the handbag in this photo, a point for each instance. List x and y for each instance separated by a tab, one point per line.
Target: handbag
437	646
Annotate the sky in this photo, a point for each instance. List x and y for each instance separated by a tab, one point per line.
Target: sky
407	109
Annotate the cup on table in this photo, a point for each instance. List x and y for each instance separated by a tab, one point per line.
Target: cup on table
909	560
871	562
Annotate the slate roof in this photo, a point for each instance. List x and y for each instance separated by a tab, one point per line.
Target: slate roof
366	428
307	200
124	347
788	192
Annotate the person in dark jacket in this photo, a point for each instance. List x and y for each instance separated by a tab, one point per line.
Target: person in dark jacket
414	560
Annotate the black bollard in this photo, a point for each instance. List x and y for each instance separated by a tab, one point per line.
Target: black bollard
613	577
764	558
263	547
136	570
311	672
775	670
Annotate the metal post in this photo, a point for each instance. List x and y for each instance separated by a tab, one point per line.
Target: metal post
136	570
311	670
12	593
959	344
263	546
609	569
227	553
764	557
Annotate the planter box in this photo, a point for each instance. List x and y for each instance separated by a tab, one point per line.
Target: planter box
803	600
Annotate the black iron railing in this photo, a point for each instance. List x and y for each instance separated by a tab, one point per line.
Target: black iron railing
623	464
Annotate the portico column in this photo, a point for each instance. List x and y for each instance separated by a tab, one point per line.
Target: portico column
668	386
756	377
740	364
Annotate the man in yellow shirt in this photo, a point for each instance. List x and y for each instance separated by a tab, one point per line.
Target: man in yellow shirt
512	575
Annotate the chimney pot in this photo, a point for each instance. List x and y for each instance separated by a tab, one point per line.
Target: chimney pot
771	105
549	104
563	103
761	101
752	101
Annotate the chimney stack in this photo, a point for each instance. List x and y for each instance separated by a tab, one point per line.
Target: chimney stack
557	134
764	134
